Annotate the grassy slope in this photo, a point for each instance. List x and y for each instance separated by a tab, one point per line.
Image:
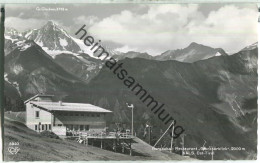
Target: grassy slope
35	147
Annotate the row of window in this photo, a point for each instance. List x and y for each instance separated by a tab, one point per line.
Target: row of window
80	114
42	127
37	114
70	127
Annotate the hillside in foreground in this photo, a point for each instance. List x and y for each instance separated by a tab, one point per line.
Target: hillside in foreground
36	147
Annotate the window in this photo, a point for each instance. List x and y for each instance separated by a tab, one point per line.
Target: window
49	126
98	115
82	114
37	114
86	127
76	127
42	127
81	127
69	127
92	115
59	124
46	127
36	127
71	114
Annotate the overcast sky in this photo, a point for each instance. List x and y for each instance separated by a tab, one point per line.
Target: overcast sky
153	28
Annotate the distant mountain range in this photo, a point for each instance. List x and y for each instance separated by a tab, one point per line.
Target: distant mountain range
211	94
67	50
55	40
194	52
132	54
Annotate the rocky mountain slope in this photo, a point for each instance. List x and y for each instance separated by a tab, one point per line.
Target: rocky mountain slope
214	100
52	37
82	65
34	71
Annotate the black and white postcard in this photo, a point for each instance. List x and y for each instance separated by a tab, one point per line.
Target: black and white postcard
129	81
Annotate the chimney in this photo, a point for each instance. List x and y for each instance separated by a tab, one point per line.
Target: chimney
60	102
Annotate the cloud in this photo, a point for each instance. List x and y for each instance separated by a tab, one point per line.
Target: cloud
88	21
172	26
23	24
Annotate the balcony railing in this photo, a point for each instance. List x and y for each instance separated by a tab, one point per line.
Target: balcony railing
102	134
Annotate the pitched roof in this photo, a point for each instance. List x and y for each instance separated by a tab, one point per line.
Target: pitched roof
80	107
38	95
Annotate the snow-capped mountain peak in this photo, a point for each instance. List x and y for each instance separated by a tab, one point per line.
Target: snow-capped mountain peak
52	38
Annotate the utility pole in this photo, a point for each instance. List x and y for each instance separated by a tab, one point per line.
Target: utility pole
212	154
172	137
132	107
149	132
149	128
182	138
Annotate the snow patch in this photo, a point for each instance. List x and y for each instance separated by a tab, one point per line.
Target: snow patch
84	48
17	69
28	34
251	63
91	67
54	53
40	43
15	84
63	42
10	38
64	32
218	54
26	46
6	78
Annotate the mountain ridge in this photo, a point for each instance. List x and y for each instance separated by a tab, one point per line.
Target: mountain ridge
192	53
59	41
